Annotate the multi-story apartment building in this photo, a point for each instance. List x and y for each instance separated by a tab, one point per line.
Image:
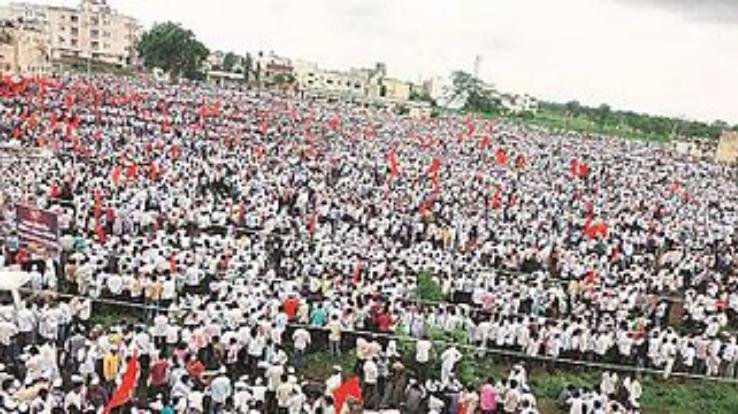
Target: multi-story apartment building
22	50
91	32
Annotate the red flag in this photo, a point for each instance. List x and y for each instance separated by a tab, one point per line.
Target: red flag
501	157
496	201
484	144
263	127
98	204
115	176
427	204
357	272
174	152
579	169
470	128
435	166
311	224
335	123
349	389
101	236
154	171
392	161
132	172
127	385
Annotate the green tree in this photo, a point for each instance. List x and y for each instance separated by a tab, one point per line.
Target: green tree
283	79
248	66
421	97
475	94
574	108
229	61
174	49
603	113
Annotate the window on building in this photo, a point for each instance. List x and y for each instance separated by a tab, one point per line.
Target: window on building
106	45
75	31
74	42
95	45
61	39
94	21
74	18
95	33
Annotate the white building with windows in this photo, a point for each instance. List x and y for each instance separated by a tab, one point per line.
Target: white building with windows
311	78
93	31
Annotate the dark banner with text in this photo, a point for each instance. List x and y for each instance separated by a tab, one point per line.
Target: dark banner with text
37	226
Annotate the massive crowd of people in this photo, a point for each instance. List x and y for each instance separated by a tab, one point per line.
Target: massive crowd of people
248	229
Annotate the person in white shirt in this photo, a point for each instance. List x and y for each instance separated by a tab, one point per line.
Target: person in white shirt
423	350
334	381
301	339
449	358
369	385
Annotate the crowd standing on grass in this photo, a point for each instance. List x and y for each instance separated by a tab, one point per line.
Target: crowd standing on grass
248	230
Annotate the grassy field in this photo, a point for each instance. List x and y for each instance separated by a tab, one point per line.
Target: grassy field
561	123
659	396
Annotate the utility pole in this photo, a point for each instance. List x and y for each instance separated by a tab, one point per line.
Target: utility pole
477	65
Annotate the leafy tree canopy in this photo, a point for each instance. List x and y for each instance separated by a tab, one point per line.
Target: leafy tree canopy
174	49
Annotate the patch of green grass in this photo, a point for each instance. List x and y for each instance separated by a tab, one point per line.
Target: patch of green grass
428	289
563	123
108	315
319	365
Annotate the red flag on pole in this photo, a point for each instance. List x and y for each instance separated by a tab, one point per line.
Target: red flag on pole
132	172
435	166
98	204
349	389
484	144
100	232
357	272
311	224
496	201
115	176
501	157
335	123
127	385
579	169
392	161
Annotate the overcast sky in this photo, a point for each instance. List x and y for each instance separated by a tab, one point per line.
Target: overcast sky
674	57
